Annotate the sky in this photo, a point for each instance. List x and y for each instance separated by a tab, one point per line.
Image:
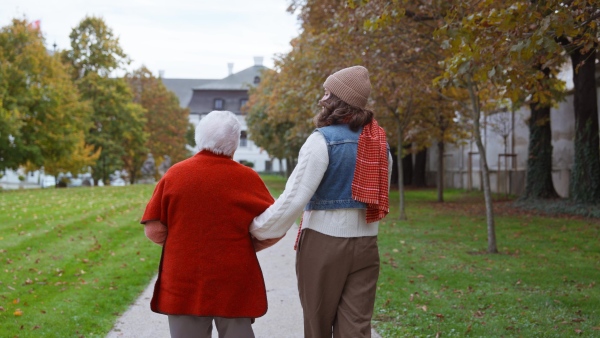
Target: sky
183	38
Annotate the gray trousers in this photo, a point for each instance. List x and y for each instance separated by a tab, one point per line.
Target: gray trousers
201	327
337	280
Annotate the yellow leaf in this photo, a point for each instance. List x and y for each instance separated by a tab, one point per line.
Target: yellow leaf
18	312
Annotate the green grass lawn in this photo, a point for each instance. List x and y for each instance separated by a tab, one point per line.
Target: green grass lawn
436	279
73	260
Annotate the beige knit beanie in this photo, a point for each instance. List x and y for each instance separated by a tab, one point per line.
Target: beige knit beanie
351	84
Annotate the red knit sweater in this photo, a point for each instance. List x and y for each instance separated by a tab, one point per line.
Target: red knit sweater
208	265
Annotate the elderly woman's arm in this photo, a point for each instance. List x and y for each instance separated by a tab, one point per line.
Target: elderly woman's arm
156	232
300	187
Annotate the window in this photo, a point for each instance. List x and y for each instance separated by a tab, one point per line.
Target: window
243	103
219	103
268	166
244	139
256	79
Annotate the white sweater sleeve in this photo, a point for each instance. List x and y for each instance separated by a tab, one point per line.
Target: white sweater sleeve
300	187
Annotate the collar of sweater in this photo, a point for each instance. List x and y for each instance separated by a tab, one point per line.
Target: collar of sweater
207	152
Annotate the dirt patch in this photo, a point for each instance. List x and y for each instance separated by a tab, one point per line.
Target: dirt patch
475	205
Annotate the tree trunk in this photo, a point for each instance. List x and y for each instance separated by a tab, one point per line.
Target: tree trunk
290	165
407	169
538	182
440	172
402	214
487	192
281	167
420	169
585	177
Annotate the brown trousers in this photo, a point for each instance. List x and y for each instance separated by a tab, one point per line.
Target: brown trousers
337	280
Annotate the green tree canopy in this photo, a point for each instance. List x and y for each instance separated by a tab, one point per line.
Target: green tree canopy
41	111
94	49
117	122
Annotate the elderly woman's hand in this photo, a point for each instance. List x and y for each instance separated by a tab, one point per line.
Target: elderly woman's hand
261	245
156	232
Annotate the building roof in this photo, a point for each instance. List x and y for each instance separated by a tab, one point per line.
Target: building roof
241	80
183	88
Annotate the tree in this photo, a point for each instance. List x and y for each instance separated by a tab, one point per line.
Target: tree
547	29
167	123
40	108
281	108
470	66
440	125
117	122
538	184
94	49
265	132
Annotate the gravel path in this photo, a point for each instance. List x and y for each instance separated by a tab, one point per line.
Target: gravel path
283	319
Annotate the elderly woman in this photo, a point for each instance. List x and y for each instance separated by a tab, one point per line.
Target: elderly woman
200	213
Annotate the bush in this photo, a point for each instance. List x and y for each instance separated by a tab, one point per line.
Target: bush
63	182
247	163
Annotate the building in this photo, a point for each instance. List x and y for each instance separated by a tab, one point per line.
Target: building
202	96
506	140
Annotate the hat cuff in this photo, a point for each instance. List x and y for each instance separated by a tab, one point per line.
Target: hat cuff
344	92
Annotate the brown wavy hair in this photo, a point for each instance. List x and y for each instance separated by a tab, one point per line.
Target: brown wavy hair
336	111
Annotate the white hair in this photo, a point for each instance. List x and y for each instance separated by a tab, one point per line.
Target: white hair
218	132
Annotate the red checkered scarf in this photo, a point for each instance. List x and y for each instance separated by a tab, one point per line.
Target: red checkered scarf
370	183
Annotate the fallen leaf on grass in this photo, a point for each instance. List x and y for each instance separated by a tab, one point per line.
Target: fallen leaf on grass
2	309
578	331
18	312
16	301
596	328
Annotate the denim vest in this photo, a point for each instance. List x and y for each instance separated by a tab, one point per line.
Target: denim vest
335	189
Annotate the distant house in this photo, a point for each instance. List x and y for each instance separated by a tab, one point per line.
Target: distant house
202	96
